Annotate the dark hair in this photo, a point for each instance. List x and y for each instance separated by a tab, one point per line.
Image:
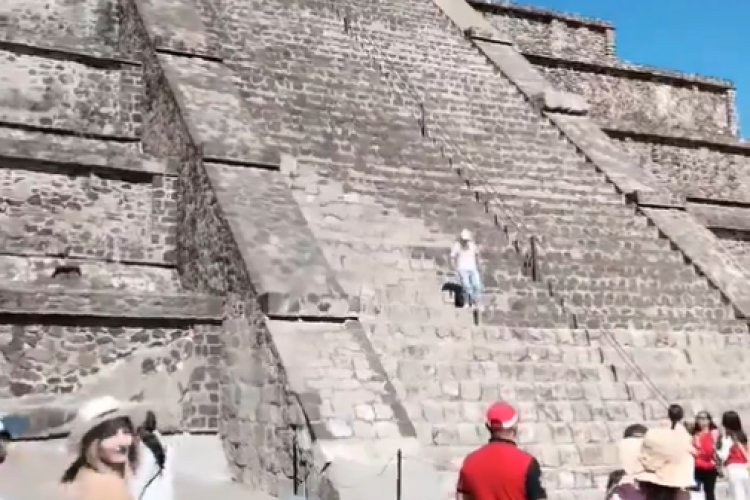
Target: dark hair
731	421
614	478
675	414
653	491
146	432
635	430
102	431
148	437
711	424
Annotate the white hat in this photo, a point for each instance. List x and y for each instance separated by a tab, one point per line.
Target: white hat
97	411
665	459
466	235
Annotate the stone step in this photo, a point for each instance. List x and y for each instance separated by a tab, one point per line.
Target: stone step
550	228
562	281
627	220
646	311
402	333
662	271
527	199
660	324
614	245
652	254
575	178
521	371
549	185
431	316
645	297
447	350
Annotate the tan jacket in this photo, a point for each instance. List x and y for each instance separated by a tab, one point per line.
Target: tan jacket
92	485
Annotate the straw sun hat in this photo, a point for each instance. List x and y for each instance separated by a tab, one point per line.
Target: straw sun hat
98	411
661	457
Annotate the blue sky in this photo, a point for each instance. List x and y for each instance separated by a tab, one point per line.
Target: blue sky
693	36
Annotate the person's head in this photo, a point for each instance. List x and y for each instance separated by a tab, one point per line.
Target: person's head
102	437
634	431
703	422
502	421
465	237
665	463
732	424
675	413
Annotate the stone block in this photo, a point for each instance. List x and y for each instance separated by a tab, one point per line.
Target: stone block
286	265
67	96
556	101
345	347
176	26
214	112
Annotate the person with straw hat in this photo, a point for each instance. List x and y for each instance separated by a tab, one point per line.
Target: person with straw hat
102	437
659	467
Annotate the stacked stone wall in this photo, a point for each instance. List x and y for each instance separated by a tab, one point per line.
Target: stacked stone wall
55	22
89	215
696	172
632	99
37	91
541	32
737	243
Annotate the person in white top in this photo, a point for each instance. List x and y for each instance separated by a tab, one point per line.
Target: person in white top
465	257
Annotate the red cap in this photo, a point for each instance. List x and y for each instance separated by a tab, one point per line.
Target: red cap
502	416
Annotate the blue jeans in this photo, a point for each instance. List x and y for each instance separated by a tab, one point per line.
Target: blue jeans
472	284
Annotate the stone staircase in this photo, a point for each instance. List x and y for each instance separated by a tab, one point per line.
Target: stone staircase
384	202
517	161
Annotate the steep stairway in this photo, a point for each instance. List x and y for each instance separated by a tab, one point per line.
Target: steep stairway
527	172
382	201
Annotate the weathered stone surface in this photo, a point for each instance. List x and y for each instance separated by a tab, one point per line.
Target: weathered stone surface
86	155
117	305
635	98
338	380
173	371
620	168
69	211
697	170
63	274
706	253
214	113
541	31
285	263
33	21
69	95
721	216
177	26
555	101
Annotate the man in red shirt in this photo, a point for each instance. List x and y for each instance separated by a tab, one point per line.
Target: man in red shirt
499	470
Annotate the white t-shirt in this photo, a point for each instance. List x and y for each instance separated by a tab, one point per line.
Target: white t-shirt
464	256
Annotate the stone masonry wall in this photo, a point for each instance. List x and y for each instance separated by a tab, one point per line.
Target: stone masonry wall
50	22
697	172
537	31
737	243
42	92
255	409
87	215
65	363
622	99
